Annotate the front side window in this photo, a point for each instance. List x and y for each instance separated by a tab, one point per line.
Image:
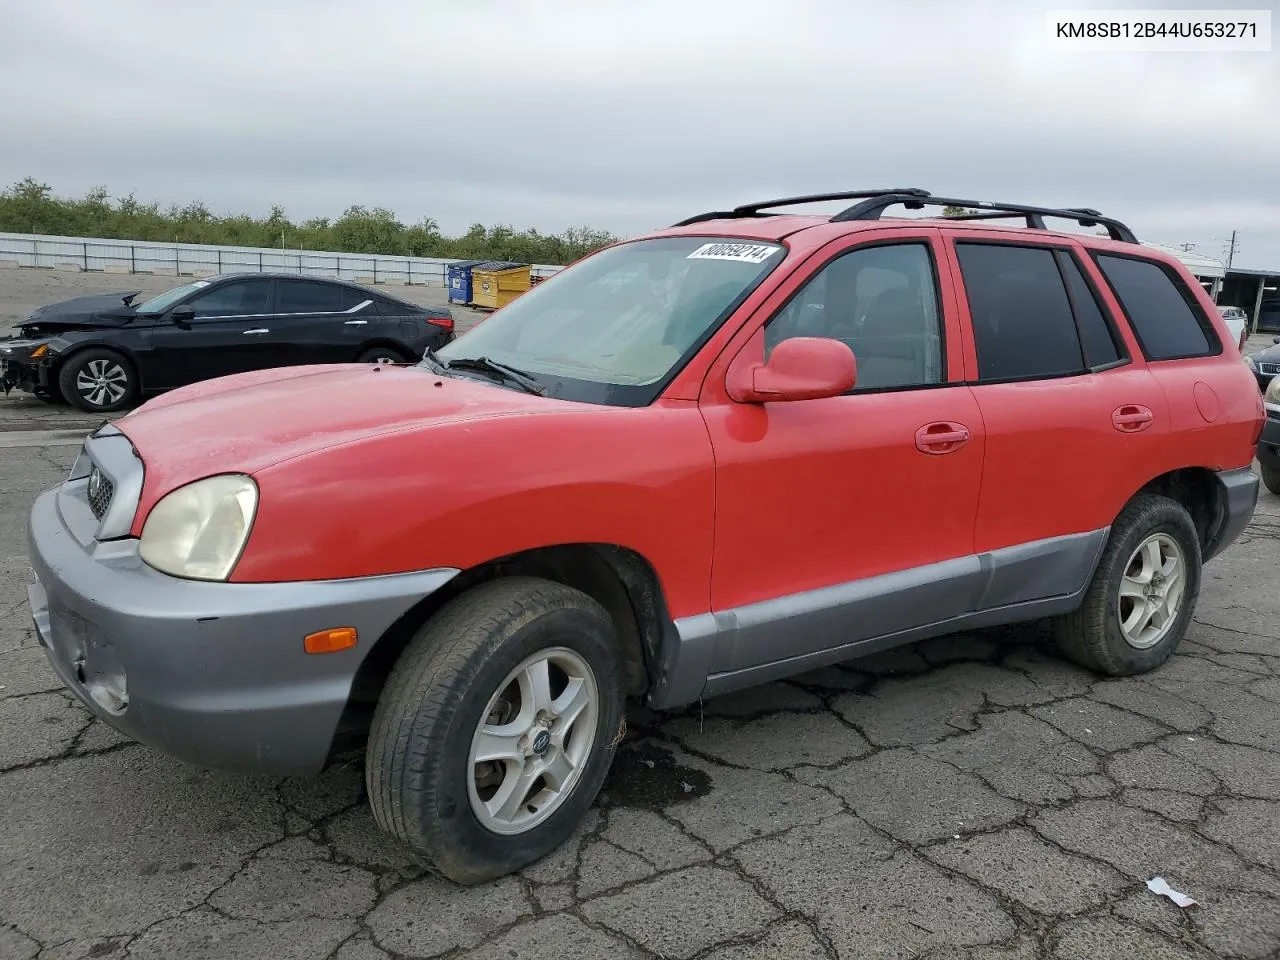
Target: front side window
882	302
615	327
237	299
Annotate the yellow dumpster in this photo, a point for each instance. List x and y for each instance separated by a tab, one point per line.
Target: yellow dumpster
494	283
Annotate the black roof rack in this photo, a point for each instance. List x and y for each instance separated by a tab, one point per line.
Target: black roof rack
874	202
872	207
754	209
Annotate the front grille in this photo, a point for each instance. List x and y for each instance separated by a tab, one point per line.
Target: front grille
101	490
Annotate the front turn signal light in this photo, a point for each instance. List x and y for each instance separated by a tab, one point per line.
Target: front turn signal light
40	351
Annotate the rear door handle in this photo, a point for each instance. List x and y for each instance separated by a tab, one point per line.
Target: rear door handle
256	330
1131	418
941	437
355	323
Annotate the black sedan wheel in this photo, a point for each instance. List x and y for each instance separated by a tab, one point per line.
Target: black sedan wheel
98	381
380	355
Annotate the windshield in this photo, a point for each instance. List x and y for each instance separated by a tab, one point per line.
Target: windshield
615	327
162	302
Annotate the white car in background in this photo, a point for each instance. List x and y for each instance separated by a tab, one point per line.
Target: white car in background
1238	322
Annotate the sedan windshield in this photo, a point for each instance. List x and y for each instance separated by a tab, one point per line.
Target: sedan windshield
616	327
162	302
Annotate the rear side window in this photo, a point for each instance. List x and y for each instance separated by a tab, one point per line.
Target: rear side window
1158	309
1100	345
302	296
389	308
352	297
1023	327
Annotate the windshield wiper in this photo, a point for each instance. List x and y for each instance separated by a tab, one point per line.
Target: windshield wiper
434	363
518	377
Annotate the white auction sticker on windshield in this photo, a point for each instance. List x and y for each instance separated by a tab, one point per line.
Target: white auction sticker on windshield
742	252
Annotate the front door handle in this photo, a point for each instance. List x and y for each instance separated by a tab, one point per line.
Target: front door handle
1131	418
355	323
256	330
941	437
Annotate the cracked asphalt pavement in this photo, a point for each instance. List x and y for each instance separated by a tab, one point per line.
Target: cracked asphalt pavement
969	797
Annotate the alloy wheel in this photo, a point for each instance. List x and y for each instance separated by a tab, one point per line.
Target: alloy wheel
1151	591
533	741
102	382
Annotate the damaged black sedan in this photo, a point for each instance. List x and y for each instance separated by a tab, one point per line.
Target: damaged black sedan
104	353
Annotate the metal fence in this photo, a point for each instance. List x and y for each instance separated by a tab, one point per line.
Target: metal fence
192	259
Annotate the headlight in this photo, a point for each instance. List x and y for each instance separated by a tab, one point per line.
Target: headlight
1253	365
198	531
1272	393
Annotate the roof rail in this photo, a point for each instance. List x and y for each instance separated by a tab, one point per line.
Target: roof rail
872	207
754	209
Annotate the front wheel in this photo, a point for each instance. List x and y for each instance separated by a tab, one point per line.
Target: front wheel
496	729
98	380
1143	594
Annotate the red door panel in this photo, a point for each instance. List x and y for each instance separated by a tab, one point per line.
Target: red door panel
1063	454
1056	462
820	492
816	493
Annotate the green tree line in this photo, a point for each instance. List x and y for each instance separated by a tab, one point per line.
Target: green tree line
30	207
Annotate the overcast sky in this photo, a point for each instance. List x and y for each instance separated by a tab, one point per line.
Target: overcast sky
630	114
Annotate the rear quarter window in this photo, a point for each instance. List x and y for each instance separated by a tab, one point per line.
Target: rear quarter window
390	308
1165	319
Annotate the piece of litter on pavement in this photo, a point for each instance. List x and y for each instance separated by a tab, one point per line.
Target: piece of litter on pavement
1087	730
1158	886
688	787
649	764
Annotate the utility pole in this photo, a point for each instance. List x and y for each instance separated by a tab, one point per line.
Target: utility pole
1231	249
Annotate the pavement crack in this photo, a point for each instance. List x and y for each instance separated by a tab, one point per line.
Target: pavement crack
1225	629
64	757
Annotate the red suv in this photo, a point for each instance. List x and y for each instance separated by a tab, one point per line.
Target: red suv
727	452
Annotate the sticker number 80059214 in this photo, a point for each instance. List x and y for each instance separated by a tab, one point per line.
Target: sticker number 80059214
742	252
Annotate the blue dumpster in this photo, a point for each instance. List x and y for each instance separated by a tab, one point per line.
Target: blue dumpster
460	280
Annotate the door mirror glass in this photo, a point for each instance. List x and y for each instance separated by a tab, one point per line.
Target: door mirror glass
183	314
798	368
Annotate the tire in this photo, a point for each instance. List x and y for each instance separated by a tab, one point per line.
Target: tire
418	767
381	355
1271	475
1092	635
98	380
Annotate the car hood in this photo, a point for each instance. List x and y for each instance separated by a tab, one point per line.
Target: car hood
1269	355
99	310
248	422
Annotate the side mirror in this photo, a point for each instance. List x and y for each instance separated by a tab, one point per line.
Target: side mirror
183	314
800	368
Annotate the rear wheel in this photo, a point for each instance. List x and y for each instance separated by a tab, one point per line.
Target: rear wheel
98	380
381	355
1271	475
496	729
1142	595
